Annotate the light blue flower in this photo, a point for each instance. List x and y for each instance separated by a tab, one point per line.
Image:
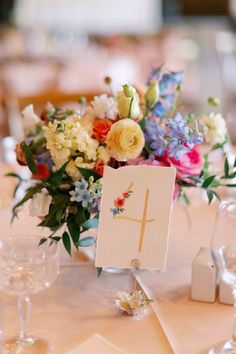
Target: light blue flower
154	135
169	84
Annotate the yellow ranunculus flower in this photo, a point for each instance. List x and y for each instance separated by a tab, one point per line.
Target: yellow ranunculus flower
128	102
152	95
125	140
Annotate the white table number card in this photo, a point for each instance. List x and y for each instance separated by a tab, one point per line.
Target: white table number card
135	216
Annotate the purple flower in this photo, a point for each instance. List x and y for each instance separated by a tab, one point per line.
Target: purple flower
180	136
154	135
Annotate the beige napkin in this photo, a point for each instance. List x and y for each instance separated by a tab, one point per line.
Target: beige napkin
97	344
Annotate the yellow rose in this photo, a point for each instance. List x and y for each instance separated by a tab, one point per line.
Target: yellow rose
128	102
125	140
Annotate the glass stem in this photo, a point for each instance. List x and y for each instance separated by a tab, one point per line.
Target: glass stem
23	306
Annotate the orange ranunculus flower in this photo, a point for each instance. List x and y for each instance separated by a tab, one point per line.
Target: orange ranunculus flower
101	128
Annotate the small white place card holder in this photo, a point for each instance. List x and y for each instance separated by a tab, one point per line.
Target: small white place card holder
135	217
204	276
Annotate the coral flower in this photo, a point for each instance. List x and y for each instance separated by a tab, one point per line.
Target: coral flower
101	128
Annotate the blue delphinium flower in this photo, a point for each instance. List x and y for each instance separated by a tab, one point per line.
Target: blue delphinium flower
175	137
169	84
154	136
181	138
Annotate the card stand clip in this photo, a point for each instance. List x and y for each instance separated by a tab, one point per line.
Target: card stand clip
134	303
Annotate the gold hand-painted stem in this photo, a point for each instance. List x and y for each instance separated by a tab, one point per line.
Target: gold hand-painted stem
132	219
144	221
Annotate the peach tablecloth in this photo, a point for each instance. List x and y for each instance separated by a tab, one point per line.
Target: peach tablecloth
79	304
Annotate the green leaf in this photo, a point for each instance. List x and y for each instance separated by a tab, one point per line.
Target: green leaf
130	106
208	182
142	124
99	271
196	179
29	195
210	195
185	198
204	173
81	216
57	177
29	158
74	230
217	196
90	224
219	145
56	238
86	173
66	242
235	162
87	241
42	241
59	212
16	189
13	174
226	168
230	176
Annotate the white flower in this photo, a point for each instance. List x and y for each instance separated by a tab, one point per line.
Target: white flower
66	138
29	118
40	203
104	107
103	154
215	130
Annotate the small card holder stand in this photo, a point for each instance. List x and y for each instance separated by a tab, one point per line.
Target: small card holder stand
134	303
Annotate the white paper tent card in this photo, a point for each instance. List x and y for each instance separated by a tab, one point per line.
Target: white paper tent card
96	344
135	217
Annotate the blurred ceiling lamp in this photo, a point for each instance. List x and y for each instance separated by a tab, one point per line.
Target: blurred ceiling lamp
91	16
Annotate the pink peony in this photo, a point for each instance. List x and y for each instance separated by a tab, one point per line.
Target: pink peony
190	165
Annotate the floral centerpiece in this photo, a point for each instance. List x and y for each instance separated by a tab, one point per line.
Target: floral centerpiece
67	150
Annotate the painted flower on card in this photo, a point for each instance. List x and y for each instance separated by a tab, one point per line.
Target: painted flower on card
119	202
125	140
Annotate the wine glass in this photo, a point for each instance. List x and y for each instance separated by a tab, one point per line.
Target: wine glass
26	268
223	246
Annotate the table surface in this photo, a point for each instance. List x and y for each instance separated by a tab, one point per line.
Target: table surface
79	304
